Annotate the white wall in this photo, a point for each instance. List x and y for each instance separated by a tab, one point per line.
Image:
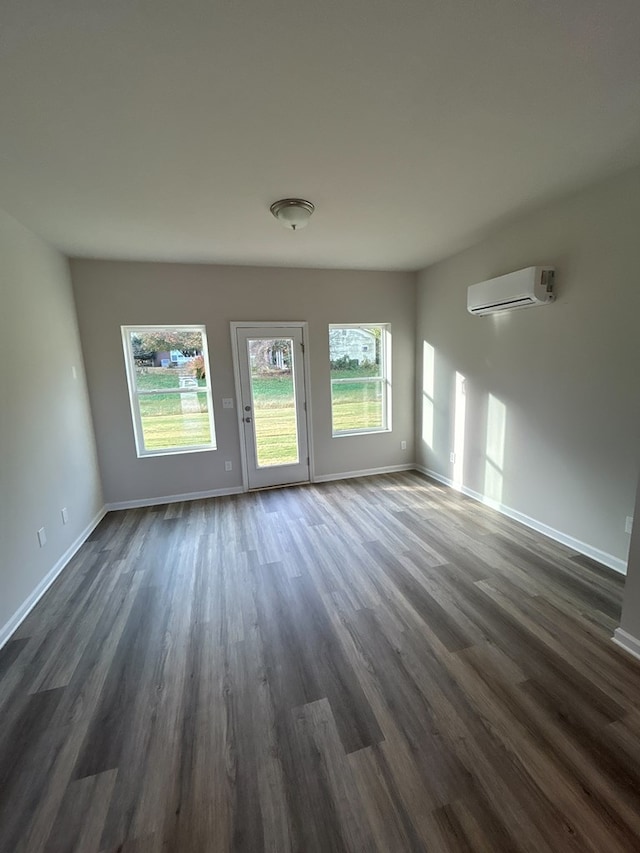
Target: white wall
47	451
552	397
110	294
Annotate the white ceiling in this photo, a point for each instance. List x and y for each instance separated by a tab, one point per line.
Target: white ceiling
164	129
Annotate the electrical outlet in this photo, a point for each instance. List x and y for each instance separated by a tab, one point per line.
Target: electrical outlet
227	402
228	466
403	445
628	525
452	457
64	512
42	537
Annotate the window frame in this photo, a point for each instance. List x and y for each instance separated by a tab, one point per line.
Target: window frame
384	379
135	393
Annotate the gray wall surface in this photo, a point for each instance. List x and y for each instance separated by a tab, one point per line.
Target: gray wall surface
47	451
110	294
630	621
552	408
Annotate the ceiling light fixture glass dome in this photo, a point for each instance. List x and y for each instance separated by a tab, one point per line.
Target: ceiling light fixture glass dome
293	213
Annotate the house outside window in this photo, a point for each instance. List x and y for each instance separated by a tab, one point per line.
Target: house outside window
167	371
360	367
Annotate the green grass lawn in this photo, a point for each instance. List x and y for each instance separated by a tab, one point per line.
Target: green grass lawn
161	431
356	405
166	424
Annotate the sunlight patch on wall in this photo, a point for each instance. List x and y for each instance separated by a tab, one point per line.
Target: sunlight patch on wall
460	414
428	391
494	456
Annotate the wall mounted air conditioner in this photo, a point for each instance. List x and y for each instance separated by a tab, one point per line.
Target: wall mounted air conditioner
522	289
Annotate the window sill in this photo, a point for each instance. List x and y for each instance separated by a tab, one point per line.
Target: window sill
352	432
174	451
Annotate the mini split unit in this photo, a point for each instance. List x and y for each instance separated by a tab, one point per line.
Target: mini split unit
526	288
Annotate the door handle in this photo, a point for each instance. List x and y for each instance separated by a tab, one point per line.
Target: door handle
247	420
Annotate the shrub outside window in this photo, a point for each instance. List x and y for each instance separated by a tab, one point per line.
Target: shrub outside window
360	367
169	388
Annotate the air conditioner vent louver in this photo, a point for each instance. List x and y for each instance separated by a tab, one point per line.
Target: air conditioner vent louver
522	289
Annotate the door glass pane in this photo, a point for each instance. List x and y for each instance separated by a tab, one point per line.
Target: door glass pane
357	405
273	401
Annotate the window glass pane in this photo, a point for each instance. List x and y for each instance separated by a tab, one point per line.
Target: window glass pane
156	378
360	387
357	405
169	389
174	420
355	351
167	358
273	401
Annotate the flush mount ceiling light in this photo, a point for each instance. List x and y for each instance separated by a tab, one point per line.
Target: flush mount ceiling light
294	213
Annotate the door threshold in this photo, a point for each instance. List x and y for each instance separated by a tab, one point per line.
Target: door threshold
279	486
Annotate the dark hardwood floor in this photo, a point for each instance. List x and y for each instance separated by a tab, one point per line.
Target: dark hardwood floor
370	665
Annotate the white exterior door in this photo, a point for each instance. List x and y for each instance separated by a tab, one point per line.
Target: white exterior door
272	404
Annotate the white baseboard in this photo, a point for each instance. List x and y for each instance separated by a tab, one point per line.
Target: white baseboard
27	606
366	472
627	642
172	499
237	490
596	554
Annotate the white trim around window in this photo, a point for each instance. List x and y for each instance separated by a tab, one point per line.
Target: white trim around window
189	391
374	350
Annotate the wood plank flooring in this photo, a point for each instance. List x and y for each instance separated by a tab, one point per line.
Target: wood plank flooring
369	665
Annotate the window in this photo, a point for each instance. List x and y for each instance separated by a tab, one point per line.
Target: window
168	377
360	362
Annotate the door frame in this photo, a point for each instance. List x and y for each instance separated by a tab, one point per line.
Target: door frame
270	324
